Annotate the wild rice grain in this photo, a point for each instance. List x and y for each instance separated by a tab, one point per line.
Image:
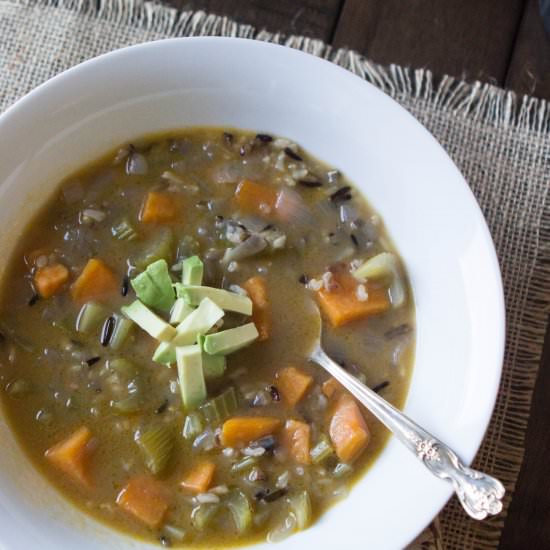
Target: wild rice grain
107	331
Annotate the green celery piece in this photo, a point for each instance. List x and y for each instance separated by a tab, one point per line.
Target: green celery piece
192	425
180	310
124	231
121	332
240	509
89	318
229	301
341	469
161	246
218	409
322	450
203	514
128	405
165	354
191	376
192	271
157	445
213	365
149	321
300	504
199	321
228	341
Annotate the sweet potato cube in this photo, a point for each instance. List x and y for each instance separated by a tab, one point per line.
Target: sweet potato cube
71	455
160	207
348	430
198	480
295	439
261	312
330	387
241	430
293	384
143	497
341	305
94	283
256	198
49	280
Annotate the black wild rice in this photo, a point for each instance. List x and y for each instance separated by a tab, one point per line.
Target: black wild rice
354	239
92	360
228	138
304	279
270	496
275	395
399	330
342	194
125	285
379	387
294	156
162	407
33	299
310	183
264	138
107	331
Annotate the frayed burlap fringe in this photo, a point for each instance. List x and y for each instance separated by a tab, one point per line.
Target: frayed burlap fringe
457	113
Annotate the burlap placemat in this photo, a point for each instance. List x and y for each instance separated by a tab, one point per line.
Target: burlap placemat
499	141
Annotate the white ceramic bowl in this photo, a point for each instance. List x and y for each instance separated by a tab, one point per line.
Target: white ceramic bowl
426	204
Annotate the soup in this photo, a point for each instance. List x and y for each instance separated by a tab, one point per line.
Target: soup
155	322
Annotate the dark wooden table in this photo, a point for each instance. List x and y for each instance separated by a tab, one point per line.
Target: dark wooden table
497	41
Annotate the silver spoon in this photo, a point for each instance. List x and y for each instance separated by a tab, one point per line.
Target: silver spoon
479	493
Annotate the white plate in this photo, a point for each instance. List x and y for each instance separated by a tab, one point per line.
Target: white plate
426	204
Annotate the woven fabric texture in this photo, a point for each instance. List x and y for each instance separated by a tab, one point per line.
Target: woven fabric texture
499	141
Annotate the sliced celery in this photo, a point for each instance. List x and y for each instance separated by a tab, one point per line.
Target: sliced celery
199	321
203	514
231	340
240	509
229	301
192	425
191	377
91	315
159	247
180	310
218	409
157	445
128	405
245	464
121	332
124	231
300	504
322	450
192	271
341	470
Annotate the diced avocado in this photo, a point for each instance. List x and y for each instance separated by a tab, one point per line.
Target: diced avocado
159	247
149	321
192	270
230	301
228	341
191	376
213	366
154	286
165	354
180	310
199	321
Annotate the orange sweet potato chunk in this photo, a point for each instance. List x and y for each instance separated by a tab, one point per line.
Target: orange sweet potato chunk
198	480
261	312
348	430
341	305
143	497
256	198
49	280
293	384
160	207
241	430
95	282
296	440
330	387
72	455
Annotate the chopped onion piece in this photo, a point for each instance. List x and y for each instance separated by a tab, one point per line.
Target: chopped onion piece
136	165
251	246
380	266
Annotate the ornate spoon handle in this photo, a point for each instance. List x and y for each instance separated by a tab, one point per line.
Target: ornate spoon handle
479	494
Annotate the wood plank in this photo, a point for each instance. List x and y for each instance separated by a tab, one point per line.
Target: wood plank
315	18
465	38
529	70
527	524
